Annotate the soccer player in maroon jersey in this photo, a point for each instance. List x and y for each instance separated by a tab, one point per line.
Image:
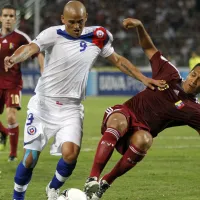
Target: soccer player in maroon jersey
131	127
11	81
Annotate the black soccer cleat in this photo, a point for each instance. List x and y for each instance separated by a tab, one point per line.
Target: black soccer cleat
12	159
91	186
103	186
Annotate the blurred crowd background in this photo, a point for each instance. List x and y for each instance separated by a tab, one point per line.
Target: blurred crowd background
173	24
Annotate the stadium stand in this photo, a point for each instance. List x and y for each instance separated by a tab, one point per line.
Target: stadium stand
173	25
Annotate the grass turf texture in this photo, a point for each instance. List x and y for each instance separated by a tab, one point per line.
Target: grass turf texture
170	170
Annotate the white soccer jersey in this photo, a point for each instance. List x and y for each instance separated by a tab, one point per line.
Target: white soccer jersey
68	60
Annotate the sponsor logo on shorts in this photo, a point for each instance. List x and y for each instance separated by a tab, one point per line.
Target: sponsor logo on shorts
31	130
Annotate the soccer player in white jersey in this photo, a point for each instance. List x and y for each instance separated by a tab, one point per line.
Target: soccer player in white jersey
56	109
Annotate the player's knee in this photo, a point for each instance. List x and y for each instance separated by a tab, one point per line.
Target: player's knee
11	118
11	115
118	121
70	152
142	139
69	157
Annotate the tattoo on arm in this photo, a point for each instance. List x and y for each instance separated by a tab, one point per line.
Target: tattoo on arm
127	69
21	56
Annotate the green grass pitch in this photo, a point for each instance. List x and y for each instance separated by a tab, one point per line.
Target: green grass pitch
170	170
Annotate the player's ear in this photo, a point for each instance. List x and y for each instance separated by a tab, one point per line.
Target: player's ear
86	17
62	19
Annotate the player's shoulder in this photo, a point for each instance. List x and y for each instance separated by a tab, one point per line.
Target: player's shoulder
90	29
99	31
22	34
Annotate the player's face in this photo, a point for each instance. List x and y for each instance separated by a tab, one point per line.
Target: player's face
8	19
74	23
192	83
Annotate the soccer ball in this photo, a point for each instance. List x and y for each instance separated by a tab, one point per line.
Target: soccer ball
72	194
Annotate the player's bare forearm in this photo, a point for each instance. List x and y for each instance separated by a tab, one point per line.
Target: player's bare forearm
144	38
20	55
23	53
128	68
125	66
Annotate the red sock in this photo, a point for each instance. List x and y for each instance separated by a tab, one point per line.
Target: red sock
14	135
104	151
127	162
3	129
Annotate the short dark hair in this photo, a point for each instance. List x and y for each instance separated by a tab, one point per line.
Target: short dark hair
197	65
8	6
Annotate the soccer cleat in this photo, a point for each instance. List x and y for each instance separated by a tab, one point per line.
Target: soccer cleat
103	186
52	194
12	158
91	186
3	138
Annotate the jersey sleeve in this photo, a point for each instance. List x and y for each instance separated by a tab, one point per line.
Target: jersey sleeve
162	68
45	39
108	49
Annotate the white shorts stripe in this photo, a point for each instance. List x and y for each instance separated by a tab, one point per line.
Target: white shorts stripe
60	178
137	152
109	110
20	188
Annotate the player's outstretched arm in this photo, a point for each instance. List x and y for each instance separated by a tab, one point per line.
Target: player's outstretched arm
128	68
144	38
21	54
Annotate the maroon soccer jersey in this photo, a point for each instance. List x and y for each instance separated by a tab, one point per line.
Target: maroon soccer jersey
160	109
8	44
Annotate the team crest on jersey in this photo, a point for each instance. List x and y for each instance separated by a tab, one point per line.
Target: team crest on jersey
179	104
164	88
31	130
11	45
100	34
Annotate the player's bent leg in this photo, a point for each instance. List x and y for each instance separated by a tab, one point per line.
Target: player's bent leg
24	173
64	169
116	126
140	142
14	132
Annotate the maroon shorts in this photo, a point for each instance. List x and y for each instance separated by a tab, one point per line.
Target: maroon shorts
133	126
11	98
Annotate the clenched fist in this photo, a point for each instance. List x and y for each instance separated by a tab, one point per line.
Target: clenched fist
8	63
131	23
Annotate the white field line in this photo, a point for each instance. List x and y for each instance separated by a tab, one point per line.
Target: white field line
155	147
157	138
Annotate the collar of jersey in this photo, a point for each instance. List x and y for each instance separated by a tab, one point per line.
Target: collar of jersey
66	35
3	36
